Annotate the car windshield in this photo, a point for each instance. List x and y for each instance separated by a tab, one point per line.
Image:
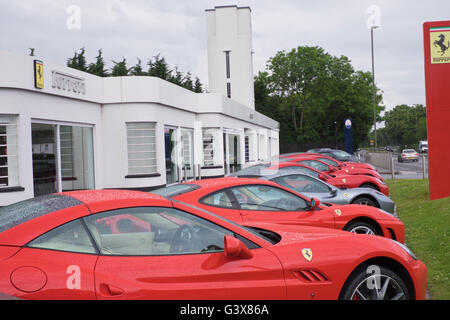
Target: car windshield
409	151
20	212
175	190
341	154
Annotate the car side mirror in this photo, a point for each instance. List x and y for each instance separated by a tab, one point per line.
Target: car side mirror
322	177
235	248
314	203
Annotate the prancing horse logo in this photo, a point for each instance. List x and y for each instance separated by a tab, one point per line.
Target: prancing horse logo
441	44
307	254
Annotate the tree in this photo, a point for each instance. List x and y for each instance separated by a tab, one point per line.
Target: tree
159	68
78	61
406	125
198	87
315	93
137	69
120	68
98	68
187	82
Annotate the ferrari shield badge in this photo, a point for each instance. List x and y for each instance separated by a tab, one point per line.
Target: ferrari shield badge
338	212
307	254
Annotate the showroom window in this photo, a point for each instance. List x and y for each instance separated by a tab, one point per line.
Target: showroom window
141	142
9	169
63	157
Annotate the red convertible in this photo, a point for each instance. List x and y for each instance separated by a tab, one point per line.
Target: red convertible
57	247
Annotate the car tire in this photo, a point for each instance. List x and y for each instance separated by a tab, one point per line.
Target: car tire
362	227
365	201
373	282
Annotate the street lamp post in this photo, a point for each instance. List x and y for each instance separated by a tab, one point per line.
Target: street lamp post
373	88
374	22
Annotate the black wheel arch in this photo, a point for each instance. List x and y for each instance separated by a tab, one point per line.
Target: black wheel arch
366	196
369	221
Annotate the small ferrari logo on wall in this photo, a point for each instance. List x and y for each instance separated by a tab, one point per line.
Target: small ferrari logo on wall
439	45
307	254
38	74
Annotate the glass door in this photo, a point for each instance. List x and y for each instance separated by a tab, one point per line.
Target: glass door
43	137
232	152
170	143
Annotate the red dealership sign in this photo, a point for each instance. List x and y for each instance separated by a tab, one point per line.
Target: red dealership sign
437	82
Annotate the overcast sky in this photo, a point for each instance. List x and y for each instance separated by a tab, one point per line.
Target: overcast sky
176	29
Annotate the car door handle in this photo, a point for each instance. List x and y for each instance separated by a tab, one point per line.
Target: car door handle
110	290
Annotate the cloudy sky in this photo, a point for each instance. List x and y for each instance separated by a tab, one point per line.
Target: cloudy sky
134	29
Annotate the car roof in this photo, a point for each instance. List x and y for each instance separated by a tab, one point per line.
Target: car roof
56	209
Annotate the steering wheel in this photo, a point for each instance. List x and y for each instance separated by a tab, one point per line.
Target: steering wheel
185	240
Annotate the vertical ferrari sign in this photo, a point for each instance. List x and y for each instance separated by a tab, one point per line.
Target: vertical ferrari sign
436	37
38	74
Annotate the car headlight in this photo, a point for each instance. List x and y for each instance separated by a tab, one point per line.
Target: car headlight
406	249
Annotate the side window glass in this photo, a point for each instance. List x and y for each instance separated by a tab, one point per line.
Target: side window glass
301	184
329	161
148	231
301	170
315	164
218	199
71	237
267	198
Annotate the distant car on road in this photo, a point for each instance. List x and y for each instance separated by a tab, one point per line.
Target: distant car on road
408	155
423	146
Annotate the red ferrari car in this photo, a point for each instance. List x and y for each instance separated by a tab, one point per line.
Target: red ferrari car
329	160
247	199
342	181
59	247
338	171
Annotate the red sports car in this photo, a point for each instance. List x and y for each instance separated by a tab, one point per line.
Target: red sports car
247	199
329	160
342	181
59	246
338	171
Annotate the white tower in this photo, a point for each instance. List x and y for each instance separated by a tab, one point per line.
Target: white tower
230	53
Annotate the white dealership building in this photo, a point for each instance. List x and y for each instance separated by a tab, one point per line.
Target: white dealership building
62	129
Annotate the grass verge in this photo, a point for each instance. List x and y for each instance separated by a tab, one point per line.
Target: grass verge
427	229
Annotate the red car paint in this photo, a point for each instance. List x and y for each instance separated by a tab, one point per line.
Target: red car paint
330	216
268	271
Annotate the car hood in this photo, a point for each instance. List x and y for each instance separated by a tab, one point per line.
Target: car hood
349	210
297	234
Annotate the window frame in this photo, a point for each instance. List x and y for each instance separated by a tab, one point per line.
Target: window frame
10	120
153	149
